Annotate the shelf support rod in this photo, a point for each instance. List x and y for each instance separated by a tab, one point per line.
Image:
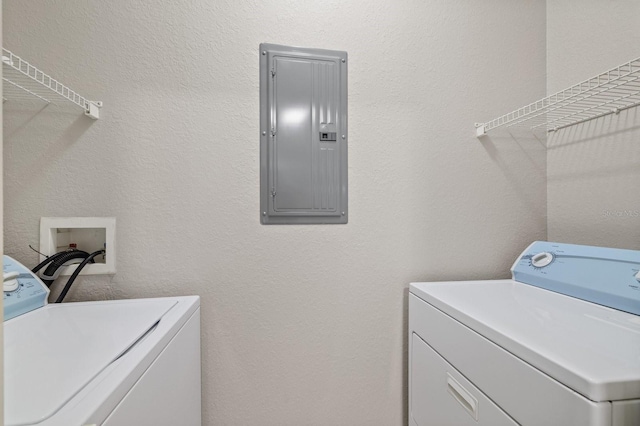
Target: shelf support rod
33	74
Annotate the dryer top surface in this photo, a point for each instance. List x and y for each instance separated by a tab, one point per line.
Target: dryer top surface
593	349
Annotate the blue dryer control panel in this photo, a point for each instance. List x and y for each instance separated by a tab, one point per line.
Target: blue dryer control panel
23	291
606	276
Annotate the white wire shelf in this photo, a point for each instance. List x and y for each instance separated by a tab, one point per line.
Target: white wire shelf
607	93
21	81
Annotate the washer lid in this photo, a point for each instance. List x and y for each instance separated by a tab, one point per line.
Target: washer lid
53	352
592	349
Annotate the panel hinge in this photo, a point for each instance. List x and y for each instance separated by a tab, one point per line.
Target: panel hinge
273	192
273	73
273	131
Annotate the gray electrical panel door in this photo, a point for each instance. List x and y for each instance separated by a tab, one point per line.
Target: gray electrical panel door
303	135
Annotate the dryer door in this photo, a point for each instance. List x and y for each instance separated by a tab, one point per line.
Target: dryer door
440	395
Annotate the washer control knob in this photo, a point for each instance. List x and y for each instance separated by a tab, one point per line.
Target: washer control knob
11	281
638	276
541	260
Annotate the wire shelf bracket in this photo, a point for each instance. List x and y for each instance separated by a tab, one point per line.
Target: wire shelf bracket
24	81
608	93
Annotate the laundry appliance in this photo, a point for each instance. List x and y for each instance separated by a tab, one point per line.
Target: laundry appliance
111	363
558	344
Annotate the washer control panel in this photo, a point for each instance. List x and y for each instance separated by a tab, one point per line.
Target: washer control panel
22	290
607	276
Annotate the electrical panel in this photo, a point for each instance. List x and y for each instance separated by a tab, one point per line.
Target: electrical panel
303	135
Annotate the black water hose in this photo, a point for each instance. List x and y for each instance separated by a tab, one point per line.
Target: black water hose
55	262
48	260
73	276
53	270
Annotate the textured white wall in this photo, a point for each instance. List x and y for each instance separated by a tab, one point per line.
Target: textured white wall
594	167
302	325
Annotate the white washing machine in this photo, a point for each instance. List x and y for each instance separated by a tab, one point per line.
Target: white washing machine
559	344
113	363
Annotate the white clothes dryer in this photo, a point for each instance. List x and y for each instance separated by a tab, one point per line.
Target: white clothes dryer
559	344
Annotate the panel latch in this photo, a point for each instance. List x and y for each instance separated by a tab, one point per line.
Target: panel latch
328	136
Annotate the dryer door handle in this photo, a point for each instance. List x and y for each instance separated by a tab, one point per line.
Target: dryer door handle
463	396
